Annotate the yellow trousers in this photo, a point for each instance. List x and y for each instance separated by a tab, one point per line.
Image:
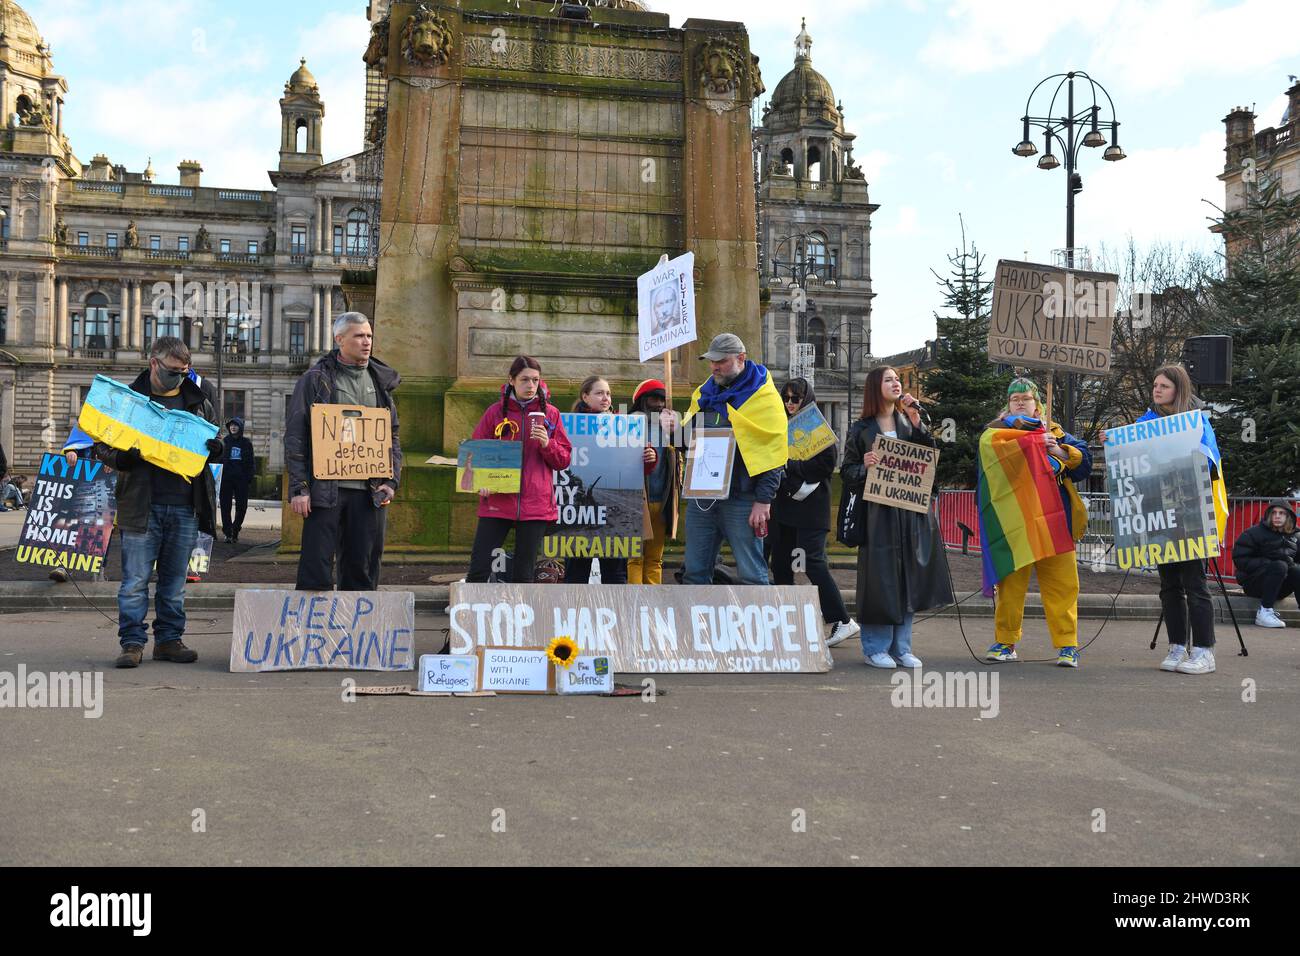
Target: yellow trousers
649	568
1058	581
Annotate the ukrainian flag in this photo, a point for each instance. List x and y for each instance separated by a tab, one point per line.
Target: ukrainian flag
753	407
173	440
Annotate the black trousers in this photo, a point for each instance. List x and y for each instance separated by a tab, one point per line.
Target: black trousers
785	539
491	535
237	496
354	531
1276	581
612	570
1183	596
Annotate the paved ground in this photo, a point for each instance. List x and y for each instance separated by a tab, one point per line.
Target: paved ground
715	770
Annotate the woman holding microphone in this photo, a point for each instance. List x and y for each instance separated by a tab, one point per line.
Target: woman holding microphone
523	414
902	566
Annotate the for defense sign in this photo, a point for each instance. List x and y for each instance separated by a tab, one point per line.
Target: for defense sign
1052	318
650	629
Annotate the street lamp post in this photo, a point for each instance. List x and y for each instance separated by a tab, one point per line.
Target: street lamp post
802	272
849	349
1071	131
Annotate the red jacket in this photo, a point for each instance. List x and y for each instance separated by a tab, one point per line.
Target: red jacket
538	496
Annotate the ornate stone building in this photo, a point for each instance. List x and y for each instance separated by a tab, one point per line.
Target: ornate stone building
1253	159
814	236
96	261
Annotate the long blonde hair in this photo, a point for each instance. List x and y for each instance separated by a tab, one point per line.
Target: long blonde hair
1184	398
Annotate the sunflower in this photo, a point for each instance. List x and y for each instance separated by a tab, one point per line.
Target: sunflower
562	651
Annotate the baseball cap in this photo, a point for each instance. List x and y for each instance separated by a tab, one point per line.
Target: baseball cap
722	346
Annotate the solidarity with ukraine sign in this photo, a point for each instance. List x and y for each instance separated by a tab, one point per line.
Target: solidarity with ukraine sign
122	418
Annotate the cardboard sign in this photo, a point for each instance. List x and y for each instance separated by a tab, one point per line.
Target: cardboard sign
665	307
709	462
172	439
323	630
904	477
1162	502
351	442
600	497
448	673
587	675
489	464
515	670
809	434
650	629
69	517
1050	318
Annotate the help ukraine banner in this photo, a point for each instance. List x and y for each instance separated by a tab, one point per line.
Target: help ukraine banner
121	418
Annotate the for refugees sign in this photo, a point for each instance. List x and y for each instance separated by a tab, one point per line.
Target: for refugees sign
600	497
665	301
1162	502
331	630
1052	318
652	628
70	516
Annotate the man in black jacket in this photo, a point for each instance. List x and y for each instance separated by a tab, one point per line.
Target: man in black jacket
341	517
1265	557
237	470
160	514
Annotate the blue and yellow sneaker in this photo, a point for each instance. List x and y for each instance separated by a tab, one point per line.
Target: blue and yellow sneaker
1001	652
1068	657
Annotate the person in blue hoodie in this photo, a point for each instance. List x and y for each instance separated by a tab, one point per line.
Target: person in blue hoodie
237	469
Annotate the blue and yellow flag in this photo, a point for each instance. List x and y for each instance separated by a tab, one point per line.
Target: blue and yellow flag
173	440
753	407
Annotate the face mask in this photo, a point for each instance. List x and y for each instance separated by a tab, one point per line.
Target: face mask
168	378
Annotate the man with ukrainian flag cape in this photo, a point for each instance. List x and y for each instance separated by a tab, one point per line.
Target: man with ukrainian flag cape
159	512
739	395
1030	517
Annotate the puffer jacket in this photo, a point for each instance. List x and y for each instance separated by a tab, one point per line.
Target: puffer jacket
536	501
316	387
1259	545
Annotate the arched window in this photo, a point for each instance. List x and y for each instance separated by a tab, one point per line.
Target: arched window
787	159
358	233
814	253
817	337
814	164
96	325
300	136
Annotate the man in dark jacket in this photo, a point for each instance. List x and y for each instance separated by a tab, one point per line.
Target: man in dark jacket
237	469
1265	557
342	517
160	514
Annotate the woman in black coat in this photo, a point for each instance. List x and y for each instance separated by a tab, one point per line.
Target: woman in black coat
1265	557
801	519
902	566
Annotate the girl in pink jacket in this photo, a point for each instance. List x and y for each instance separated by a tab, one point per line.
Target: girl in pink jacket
523	414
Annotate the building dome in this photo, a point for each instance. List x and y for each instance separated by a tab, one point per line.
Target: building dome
302	81
17	27
803	94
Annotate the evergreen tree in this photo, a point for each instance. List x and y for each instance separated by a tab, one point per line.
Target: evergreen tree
968	389
1257	302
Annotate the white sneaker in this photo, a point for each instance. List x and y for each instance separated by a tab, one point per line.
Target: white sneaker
1177	654
1200	661
881	660
842	631
910	660
1267	617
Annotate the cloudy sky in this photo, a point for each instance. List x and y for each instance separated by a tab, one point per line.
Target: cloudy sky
933	89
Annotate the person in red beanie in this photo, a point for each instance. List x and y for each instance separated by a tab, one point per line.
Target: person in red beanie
663	485
523	414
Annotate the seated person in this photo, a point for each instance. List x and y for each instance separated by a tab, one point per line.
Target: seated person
12	490
1265	557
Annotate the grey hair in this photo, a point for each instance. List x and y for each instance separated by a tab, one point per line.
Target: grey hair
348	318
168	346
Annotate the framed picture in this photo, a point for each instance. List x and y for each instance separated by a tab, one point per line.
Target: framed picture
709	461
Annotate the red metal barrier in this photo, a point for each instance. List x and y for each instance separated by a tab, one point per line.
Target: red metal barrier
958	510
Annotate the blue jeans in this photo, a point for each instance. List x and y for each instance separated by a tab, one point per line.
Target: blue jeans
893	639
705	530
169	541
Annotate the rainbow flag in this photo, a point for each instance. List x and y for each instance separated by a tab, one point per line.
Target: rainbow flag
1022	517
121	418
